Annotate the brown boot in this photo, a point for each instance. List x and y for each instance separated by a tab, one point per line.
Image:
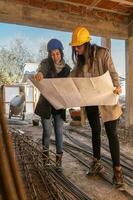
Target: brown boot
118	178
45	157
95	168
59	162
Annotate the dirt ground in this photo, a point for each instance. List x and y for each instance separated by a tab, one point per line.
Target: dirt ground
96	187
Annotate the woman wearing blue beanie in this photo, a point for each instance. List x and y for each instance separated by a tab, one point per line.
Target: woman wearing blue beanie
53	66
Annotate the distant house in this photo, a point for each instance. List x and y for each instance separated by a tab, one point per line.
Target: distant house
29	68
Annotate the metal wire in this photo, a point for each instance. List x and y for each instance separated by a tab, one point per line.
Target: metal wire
43	181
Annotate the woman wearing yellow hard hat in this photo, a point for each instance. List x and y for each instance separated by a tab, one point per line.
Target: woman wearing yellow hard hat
91	61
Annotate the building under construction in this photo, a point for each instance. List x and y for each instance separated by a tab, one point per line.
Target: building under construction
23	175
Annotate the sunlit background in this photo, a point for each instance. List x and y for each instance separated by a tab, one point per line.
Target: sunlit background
34	40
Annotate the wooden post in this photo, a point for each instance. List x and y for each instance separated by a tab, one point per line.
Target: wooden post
11	179
83	116
129	82
106	42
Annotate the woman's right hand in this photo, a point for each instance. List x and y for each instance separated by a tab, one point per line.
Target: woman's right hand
39	76
118	90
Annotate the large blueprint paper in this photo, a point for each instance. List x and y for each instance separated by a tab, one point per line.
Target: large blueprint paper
77	92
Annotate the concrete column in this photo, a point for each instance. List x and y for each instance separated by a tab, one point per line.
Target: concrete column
129	82
106	42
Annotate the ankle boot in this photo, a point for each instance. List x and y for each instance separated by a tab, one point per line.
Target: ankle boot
45	157
59	162
96	167
118	178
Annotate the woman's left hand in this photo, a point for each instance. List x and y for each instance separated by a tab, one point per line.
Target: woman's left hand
117	90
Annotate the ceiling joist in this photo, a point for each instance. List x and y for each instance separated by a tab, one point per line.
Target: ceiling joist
90	6
35	16
94	3
128	3
97	16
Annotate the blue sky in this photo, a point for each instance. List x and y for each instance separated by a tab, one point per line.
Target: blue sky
34	36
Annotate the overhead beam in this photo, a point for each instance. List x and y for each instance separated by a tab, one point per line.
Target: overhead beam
90	7
53	19
128	3
94	3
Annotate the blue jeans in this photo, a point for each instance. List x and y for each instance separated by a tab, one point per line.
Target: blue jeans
57	123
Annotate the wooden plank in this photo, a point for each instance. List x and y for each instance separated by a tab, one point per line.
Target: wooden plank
129	82
40	17
94	3
89	7
106	42
128	3
130	30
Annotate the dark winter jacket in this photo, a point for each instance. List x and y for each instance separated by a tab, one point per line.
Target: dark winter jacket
43	108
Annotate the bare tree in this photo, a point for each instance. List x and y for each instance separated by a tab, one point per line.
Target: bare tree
42	53
12	60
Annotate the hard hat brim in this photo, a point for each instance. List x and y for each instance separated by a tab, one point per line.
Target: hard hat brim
79	43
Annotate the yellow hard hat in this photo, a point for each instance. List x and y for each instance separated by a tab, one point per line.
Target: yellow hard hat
80	36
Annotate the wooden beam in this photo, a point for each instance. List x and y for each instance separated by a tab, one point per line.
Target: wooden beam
89	7
130	29
54	19
106	42
128	3
129	82
94	3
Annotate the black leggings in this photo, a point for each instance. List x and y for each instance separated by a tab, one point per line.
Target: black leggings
110	127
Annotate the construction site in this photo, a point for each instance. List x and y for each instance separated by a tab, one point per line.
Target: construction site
23	173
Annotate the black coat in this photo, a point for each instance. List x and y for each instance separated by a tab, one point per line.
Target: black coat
43	108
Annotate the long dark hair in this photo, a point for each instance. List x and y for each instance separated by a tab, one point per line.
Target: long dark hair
51	63
81	60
